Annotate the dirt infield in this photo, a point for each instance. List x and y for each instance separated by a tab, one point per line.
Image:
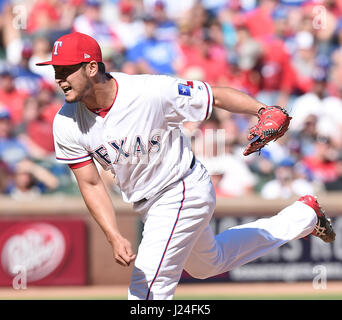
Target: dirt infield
186	291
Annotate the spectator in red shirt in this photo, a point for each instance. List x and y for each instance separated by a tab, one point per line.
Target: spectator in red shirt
51	15
322	165
205	55
265	24
11	97
248	53
188	46
43	16
277	73
259	21
48	102
35	131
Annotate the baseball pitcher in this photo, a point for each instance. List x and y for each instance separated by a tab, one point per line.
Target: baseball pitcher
131	125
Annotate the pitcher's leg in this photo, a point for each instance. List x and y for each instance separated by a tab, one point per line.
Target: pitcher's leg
242	244
157	268
206	256
171	229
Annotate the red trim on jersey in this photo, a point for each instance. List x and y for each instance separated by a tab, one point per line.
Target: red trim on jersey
168	242
103	112
80	164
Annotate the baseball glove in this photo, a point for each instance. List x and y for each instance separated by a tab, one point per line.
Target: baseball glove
272	124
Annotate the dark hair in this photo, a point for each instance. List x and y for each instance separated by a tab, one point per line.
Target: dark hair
102	67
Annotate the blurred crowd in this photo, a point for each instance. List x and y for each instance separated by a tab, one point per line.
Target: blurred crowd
286	53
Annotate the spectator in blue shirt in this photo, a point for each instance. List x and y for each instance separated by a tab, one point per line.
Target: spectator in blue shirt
151	55
11	150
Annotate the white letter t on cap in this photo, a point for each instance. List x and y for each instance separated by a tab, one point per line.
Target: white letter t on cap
56	45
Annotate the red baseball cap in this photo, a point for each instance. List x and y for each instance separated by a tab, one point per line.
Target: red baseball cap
74	48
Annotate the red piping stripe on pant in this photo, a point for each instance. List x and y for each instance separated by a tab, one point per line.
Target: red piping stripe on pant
173	229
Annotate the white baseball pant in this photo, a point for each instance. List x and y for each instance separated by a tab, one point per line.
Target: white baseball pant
177	236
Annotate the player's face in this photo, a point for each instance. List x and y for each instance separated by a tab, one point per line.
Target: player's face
73	81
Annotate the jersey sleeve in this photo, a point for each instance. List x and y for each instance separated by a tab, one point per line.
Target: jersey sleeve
185	100
67	149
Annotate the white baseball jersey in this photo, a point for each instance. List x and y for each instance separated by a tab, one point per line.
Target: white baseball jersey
139	139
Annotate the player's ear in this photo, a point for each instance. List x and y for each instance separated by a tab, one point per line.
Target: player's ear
93	68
